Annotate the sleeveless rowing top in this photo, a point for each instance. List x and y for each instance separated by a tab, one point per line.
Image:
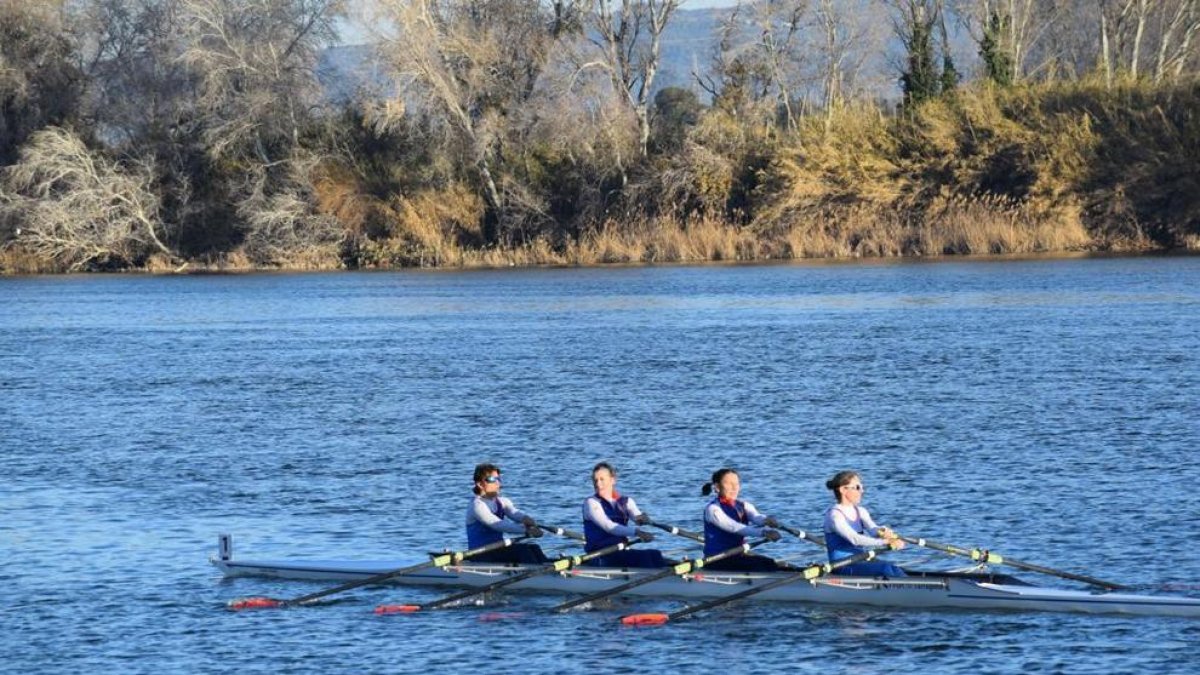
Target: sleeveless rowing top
717	540
479	534
837	545
597	538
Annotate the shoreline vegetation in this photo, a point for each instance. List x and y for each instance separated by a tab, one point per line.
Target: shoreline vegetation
466	170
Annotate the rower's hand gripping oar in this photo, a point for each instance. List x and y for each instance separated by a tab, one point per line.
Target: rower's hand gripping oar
807	574
674	570
560	565
985	556
440	560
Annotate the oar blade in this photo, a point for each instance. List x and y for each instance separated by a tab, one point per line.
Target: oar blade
397	609
645	619
254	603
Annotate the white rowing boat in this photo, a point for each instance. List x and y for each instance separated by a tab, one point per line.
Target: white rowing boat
933	590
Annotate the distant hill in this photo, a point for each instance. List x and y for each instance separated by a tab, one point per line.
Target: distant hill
688	46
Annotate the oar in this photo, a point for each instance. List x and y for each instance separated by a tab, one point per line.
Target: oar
561	565
441	560
801	534
674	570
694	536
996	559
569	534
807	574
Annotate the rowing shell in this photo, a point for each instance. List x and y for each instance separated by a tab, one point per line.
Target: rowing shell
971	592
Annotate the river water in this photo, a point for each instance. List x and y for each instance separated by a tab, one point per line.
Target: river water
1047	409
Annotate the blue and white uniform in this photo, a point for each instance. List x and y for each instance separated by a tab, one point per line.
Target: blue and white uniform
726	525
605	523
846	531
488	520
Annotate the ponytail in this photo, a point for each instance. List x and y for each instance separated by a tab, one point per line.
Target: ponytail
711	485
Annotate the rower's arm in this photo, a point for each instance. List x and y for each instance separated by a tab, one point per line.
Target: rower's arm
841	525
485	516
716	516
753	515
594	512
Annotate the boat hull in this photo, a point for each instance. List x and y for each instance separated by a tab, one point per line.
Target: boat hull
914	592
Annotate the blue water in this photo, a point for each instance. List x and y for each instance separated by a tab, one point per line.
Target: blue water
1047	409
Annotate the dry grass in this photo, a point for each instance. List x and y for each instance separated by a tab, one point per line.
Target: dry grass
16	260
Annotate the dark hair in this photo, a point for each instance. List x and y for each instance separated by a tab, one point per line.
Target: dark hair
482	471
604	465
707	488
839	480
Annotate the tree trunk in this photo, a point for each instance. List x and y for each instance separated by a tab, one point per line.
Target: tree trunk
491	219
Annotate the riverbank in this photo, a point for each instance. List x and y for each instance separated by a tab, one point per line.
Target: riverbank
538	257
1041	169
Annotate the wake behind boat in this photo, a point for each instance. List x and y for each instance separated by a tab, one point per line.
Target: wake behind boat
929	590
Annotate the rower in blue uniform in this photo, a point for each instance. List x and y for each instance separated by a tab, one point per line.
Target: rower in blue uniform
490	517
606	521
847	524
729	520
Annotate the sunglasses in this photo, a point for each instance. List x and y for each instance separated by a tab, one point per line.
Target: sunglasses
492	479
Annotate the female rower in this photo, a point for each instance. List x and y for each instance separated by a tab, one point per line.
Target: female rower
490	517
728	521
846	526
606	517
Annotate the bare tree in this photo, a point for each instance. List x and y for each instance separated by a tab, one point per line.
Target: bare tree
762	52
778	46
834	51
80	208
1178	30
629	35
471	65
139	91
256	63
1131	29
281	223
1014	26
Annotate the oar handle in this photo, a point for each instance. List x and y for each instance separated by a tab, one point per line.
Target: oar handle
687	534
801	534
562	532
985	556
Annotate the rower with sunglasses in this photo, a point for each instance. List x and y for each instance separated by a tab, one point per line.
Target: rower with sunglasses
847	524
490	517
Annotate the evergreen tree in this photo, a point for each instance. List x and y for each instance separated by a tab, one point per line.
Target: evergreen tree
920	81
997	62
950	77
